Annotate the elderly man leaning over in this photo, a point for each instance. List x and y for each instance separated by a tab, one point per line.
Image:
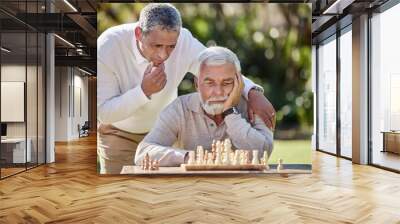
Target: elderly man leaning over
216	111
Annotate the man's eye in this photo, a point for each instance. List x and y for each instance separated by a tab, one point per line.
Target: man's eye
228	83
172	46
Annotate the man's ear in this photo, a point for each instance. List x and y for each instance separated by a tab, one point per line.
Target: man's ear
138	33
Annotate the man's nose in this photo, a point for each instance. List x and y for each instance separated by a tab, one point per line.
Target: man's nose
218	91
163	54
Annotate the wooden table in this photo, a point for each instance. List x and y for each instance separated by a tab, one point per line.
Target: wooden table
391	141
290	169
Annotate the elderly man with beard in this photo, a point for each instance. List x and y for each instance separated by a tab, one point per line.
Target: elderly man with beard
216	111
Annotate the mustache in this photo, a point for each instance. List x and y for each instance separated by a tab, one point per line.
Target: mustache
217	98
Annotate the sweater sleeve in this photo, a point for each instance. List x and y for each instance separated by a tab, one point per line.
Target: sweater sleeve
243	135
158	143
112	106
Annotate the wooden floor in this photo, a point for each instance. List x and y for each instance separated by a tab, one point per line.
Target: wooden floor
387	159
70	191
11	170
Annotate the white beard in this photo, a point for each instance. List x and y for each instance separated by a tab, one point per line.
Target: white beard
213	108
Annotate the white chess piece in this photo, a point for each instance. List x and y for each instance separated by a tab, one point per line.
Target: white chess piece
255	160
227	159
247	156
280	165
191	160
232	156
213	146
200	155
218	159
265	159
242	157
227	152
228	145
210	159
236	158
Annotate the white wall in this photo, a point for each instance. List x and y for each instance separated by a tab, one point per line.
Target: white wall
33	126
61	103
71	87
16	73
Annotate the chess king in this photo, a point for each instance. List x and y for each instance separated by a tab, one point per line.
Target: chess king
216	111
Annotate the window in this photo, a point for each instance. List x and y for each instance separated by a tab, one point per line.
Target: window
345	92
22	79
385	89
327	96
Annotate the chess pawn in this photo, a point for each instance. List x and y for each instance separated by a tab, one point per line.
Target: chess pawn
280	165
255	160
244	157
200	155
265	160
213	146
213	149
224	146
222	152
143	164
210	158
157	165
232	156
247	157
236	158
227	158
241	157
191	159
147	161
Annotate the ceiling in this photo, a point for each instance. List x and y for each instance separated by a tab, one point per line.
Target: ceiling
330	15
74	22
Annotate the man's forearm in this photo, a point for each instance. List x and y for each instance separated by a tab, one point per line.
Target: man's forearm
167	156
248	86
122	107
246	137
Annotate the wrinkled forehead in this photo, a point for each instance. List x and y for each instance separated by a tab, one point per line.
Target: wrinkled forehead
219	72
162	36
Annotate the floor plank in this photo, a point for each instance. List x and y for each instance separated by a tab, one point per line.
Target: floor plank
70	191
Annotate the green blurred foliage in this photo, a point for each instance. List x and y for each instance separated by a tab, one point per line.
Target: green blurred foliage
272	41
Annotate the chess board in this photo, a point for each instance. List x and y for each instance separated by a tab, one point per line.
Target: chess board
195	167
221	158
179	170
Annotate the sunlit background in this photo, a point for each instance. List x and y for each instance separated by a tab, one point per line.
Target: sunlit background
273	43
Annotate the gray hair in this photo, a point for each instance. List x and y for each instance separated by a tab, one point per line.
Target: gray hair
217	56
160	14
